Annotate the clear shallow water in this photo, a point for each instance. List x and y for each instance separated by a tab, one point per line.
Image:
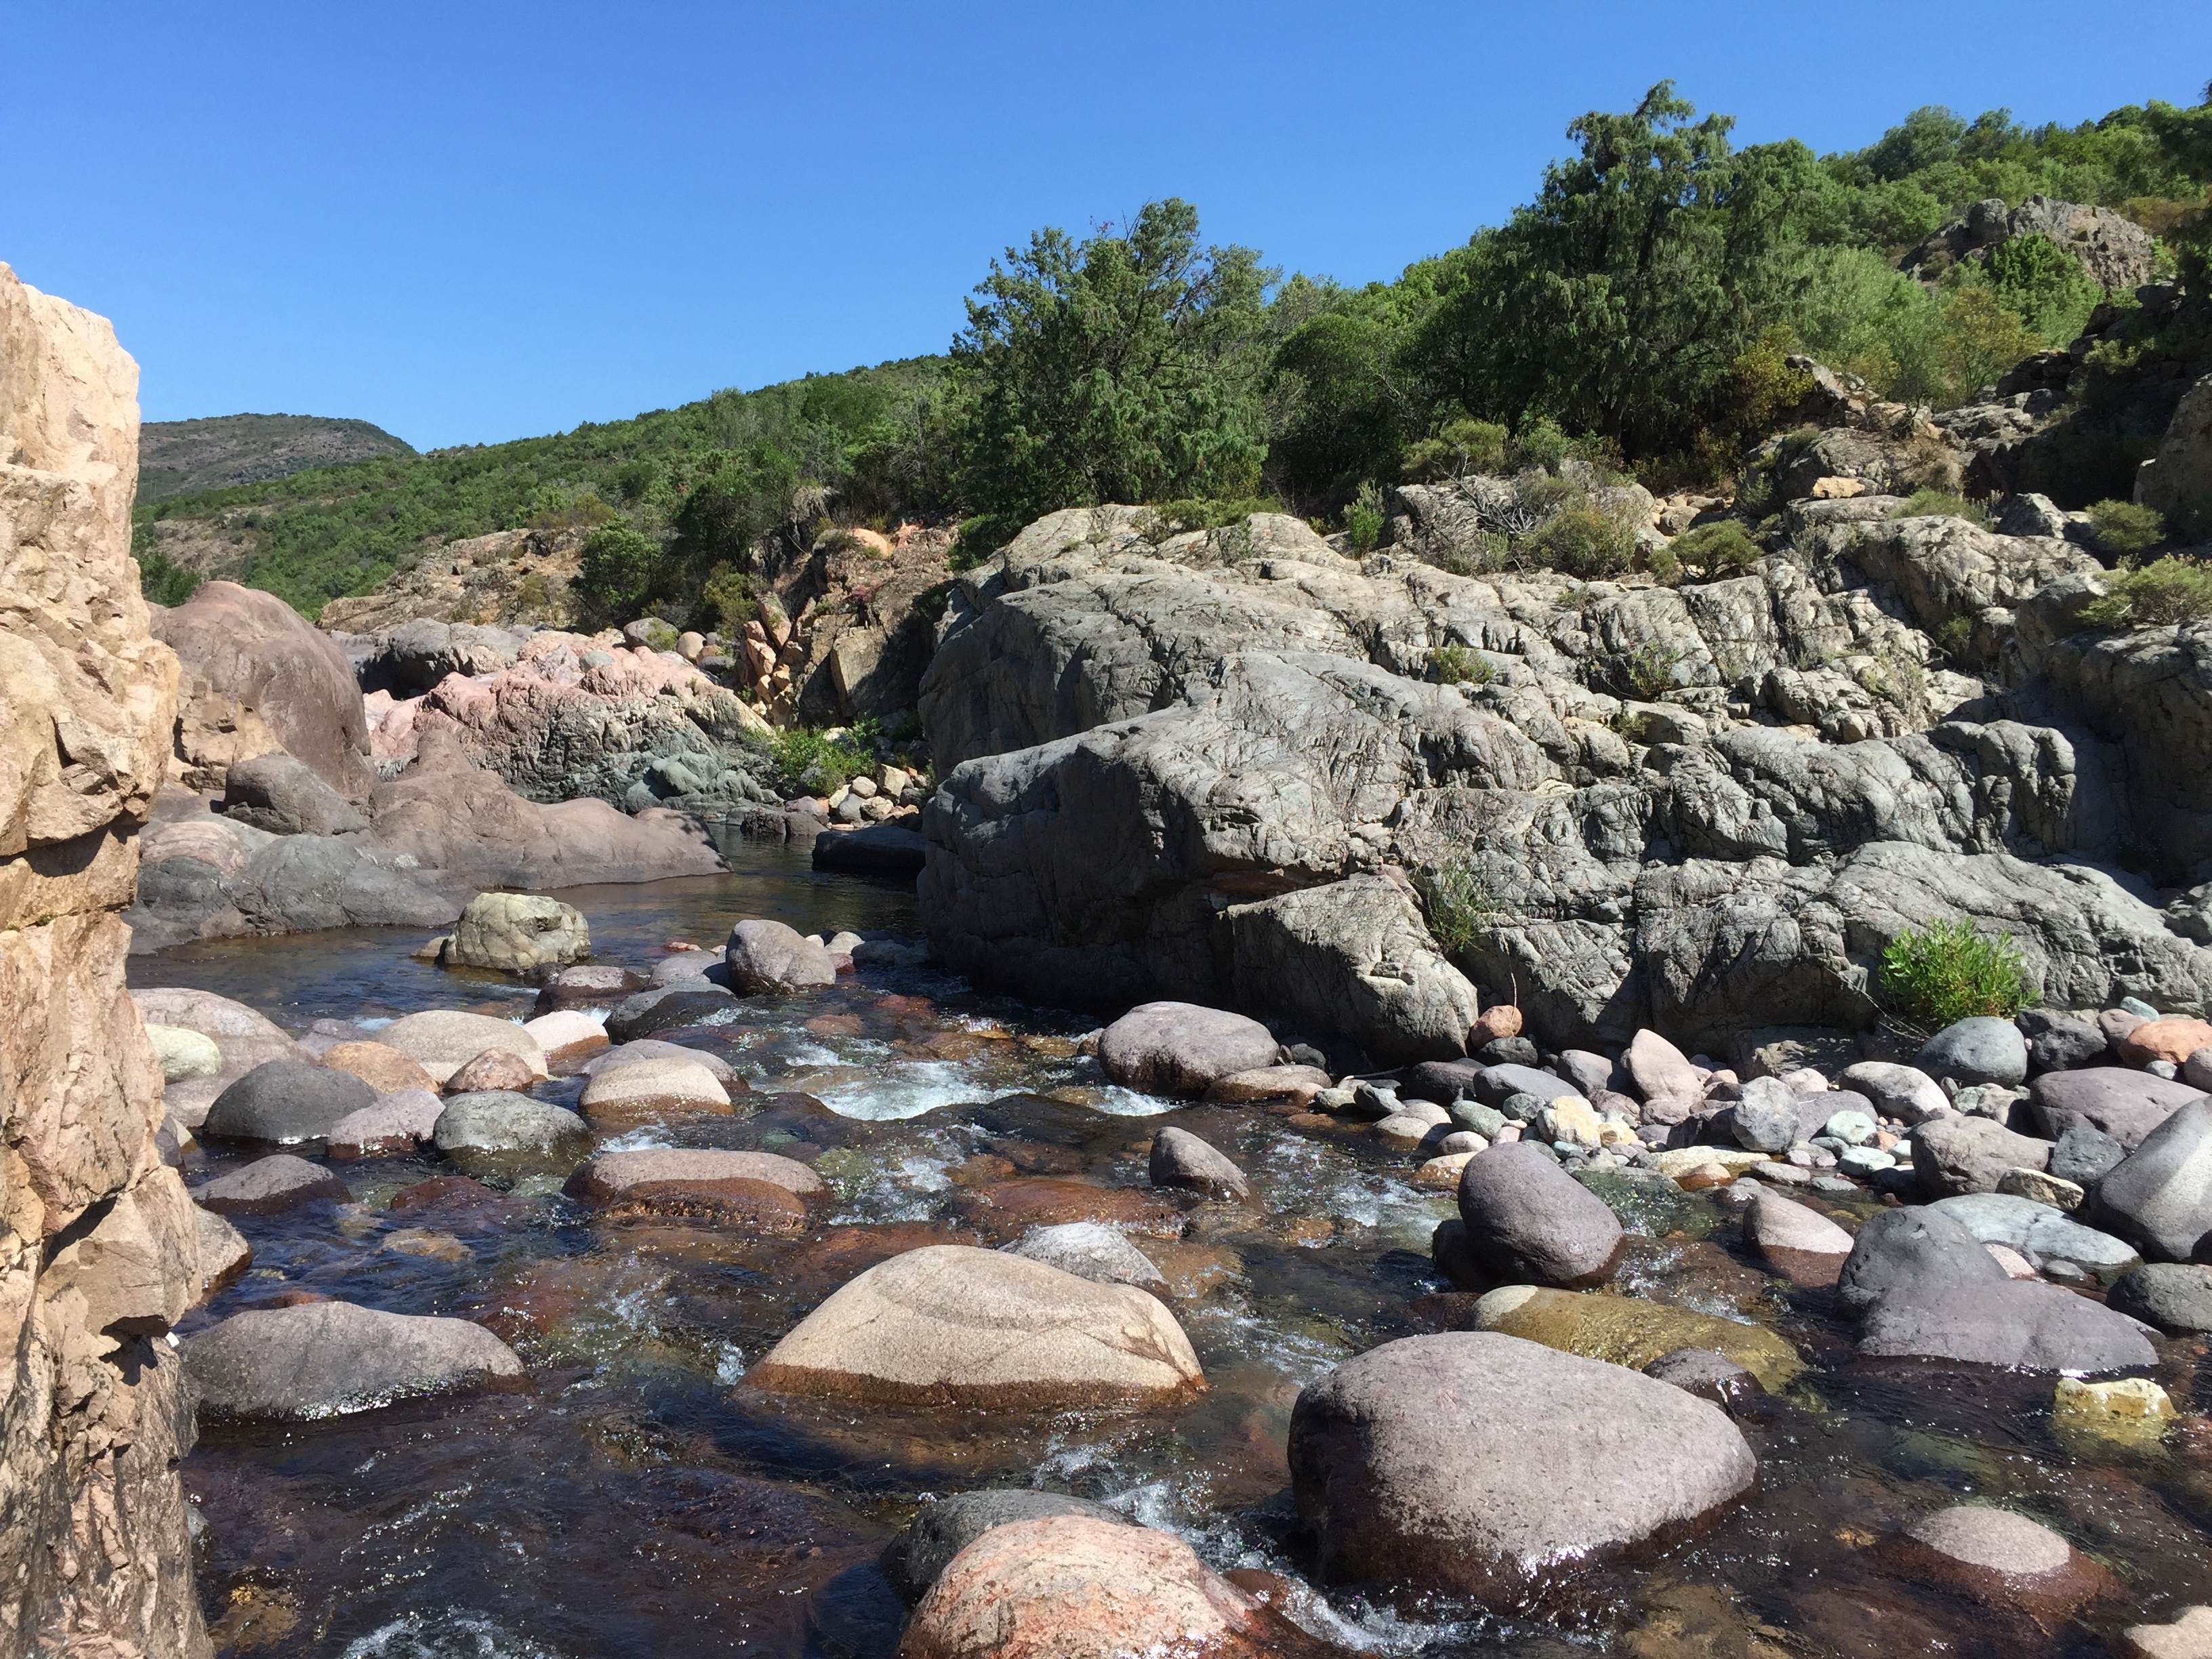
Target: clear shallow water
634	1497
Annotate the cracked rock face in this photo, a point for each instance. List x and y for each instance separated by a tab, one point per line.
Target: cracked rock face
98	1244
1203	768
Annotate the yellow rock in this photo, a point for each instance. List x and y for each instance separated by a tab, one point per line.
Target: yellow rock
2132	1412
1442	1172
1680	1160
1626	1330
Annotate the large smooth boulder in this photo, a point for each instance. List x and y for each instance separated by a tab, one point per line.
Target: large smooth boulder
517	932
394	1123
873	849
1181	1048
2000	1558
760	1190
566	1037
629	1053
1074	1586
665	1008
913	1560
2046	1233
443	1040
1495	1084
184	1055
1960	1154
2020	1324
287	797
271	1186
1909	1250
284	1103
1529	1222
1092	1250
1904	1092
1793	1237
1981	1049
380	1065
954	1325
322	1357
1179	1159
245	1036
764	957
652	1092
2161	1195
2125	1104
1660	1070
1445	1463
498	1132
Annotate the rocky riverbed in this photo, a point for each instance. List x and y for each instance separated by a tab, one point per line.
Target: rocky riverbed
1238	1344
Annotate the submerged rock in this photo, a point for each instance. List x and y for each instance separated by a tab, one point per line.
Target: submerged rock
2020	1324
1092	1250
1438	1463
320	1358
1627	1330
269	1186
952	1325
1998	1556
913	1560
1179	1159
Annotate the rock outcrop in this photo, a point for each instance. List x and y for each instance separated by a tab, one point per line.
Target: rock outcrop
99	1251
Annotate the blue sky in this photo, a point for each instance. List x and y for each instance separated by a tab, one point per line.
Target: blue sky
472	222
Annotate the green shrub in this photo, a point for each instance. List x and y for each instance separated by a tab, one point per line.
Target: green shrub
161	579
1460	447
1950	972
1583	542
1491	551
807	759
1666	567
1541	443
1955	636
1459	664
618	572
727	595
1363	520
2125	527
2159	595
1456	900
1652	669
1722	548
1937	504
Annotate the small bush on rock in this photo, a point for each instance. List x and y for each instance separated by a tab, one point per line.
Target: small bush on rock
1459	664
812	761
1363	519
1456	899
2172	591
1950	972
1938	504
1583	542
2125	527
1459	448
1724	548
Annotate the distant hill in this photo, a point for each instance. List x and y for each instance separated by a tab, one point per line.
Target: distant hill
179	458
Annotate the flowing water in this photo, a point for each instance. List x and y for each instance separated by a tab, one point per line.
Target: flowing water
634	1497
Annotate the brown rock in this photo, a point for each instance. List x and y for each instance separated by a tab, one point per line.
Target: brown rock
495	1068
568	1037
2000	1558
1500	1019
2172	1039
1072	1587
1010	1208
379	1064
609	1177
94	1555
1296	1083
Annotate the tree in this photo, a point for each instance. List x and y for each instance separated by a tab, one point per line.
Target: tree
743	499
1124	368
1617	302
618	572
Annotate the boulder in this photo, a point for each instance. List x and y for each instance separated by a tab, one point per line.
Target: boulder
518	933
952	1325
873	849
2173	482
2170	1039
2018	1324
1528	1221
1628	1330
2127	1105
394	1123
1707	1372
567	1038
1794	1237
1911	1250
2161	1196
1443	1081
629	1053
1959	1154
271	1186
1179	1159
184	1055
2188	1636
2085	1156
1495	1084
1296	1083
589	985
286	796
612	1177
1998	1556
1981	1050
244	1037
284	1102
222	1253
769	957
1770	1117
2059	1041
443	1040
319	1358
1904	1092
667	1008
913	1560
651	1092
1438	1463
380	1065
2174	1295
2041	1231
1064	1586
495	1068
1092	1250
1180	1049
1660	1068
498	1132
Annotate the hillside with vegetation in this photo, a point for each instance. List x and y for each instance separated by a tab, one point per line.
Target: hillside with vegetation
219	452
1639	312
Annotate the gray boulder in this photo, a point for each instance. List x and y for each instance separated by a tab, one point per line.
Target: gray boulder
873	849
322	1357
286	796
2174	1295
495	1131
1092	1250
913	1560
767	957
285	1102
1660	1068
1960	1154
2161	1196
269	1186
1529	1222
1179	1159
1707	1372
2060	1043
1592	1074
1783	1229
2019	1324
1181	1048
1977	1050
1904	1092
1439	1463
2046	1233
1911	1250
1495	1084
2125	1104
415	655
1446	1081
518	932
666	1007
2085	1156
1770	1117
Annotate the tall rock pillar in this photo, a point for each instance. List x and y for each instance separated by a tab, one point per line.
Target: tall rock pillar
97	1254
